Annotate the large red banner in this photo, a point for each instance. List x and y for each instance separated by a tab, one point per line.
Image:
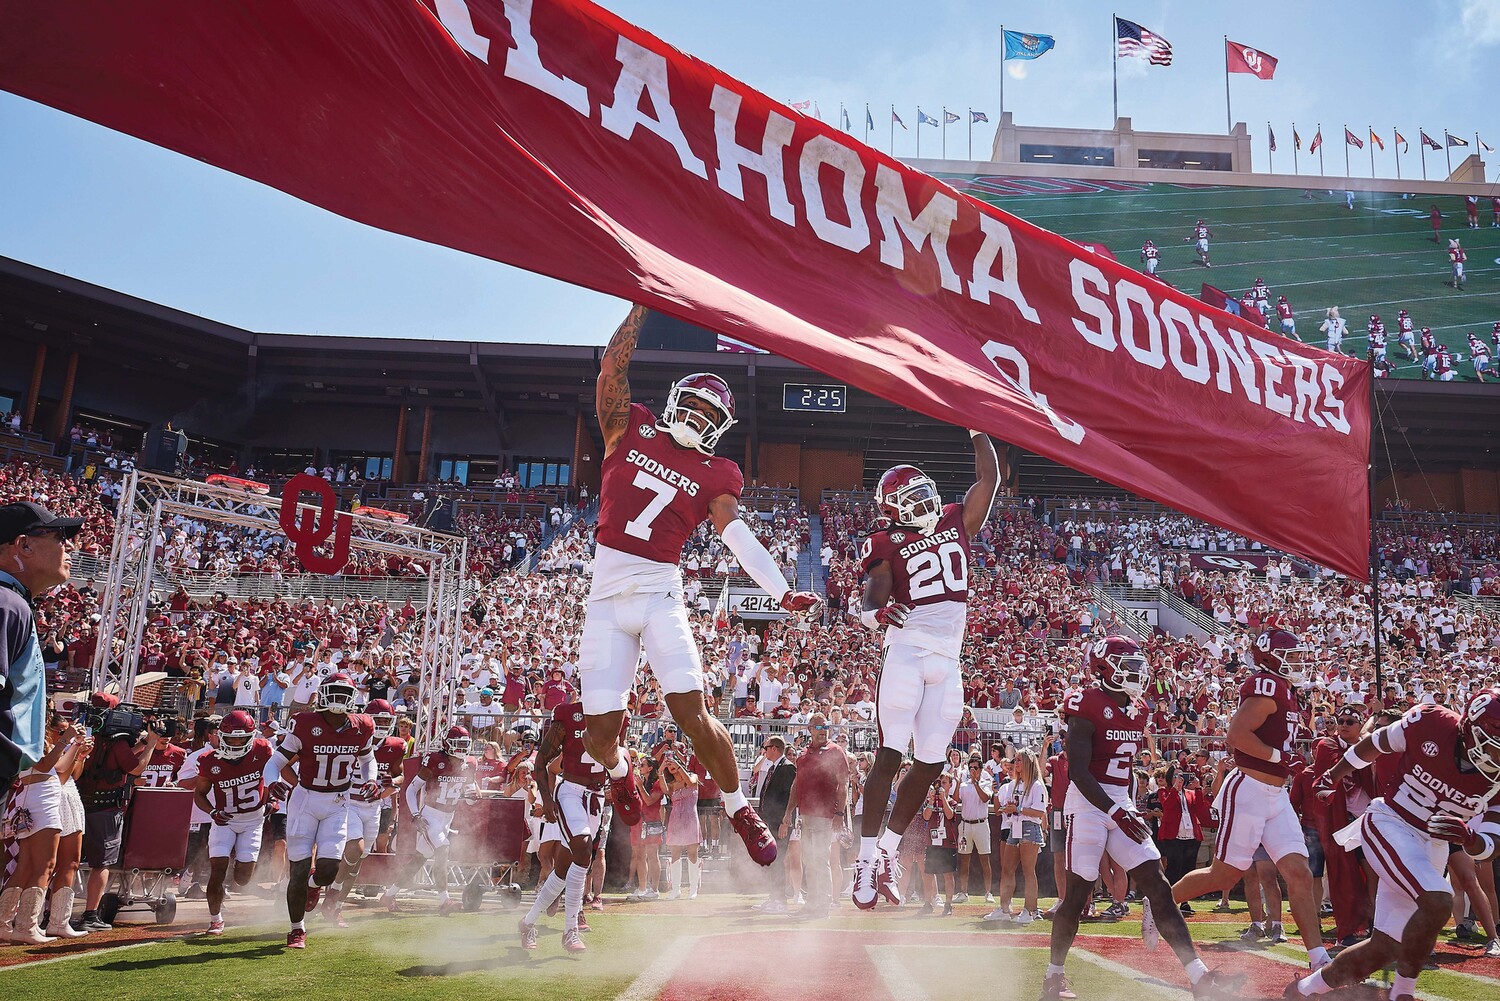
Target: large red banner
551	135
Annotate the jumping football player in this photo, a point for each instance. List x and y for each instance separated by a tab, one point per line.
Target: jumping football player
329	745
230	790
574	801
1254	802
661	479
1106	729
1446	773
916	571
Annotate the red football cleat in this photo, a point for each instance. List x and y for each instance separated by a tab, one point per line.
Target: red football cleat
754	833
314	894
625	793
296	939
572	941
583	923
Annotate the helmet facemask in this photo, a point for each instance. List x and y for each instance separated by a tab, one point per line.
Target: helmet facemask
228	749
1129	676
918	505
692	428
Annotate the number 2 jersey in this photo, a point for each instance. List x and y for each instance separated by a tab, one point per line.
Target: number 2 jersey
1119	734
1427	777
653	494
931	574
234	784
327	754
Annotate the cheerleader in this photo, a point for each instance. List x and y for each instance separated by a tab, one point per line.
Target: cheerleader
35	819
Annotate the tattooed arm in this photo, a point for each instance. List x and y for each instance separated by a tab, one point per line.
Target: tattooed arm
612	395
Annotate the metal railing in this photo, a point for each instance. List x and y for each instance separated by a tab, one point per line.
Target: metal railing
292	587
1485	603
1129	618
1195	615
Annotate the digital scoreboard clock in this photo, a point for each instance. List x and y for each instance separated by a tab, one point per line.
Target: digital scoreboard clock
824	399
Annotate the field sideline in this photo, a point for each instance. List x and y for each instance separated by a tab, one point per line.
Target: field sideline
713	948
1307	245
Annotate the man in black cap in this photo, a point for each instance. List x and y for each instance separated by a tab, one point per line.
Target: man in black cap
35	548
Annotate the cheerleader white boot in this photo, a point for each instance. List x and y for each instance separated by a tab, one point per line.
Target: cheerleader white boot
62	911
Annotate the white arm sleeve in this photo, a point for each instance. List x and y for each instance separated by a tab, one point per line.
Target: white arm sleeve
417	782
273	768
754	558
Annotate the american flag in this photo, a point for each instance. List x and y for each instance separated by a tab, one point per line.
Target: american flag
1133	40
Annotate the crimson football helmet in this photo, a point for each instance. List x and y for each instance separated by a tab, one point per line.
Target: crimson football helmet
692	428
337	693
456	741
907	496
1119	665
1479	733
384	715
236	733
1281	653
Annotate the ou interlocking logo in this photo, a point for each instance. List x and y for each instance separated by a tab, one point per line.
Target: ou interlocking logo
1252	58
312	531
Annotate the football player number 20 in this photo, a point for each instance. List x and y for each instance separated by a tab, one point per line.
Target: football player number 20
945	568
663	493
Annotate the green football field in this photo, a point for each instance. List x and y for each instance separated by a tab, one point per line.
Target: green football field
1308	245
715	948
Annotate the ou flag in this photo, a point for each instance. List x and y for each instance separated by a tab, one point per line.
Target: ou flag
1244	59
554	136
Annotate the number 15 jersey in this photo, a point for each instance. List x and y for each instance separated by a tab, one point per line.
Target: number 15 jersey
653	494
931	574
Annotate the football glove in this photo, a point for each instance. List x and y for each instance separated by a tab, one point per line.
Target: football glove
1447	827
1131	825
799	601
219	817
893	615
278	791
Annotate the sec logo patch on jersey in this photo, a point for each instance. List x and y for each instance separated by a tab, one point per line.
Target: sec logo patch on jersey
898	537
1430	748
1109	712
317	731
646	431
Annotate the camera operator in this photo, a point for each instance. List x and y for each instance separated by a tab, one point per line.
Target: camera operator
121	752
34	558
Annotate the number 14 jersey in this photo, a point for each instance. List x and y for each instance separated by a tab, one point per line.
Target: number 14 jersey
931	574
653	494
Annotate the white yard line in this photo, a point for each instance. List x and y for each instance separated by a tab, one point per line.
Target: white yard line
654	978
90	954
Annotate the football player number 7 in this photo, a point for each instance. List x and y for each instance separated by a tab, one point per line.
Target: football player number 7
640	525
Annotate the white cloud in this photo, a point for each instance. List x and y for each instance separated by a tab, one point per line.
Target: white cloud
1481	21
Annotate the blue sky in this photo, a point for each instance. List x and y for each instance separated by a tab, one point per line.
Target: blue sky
112	210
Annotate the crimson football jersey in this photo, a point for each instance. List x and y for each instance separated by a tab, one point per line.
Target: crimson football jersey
1119	734
166	762
930	573
389	754
451	775
925	569
577	766
1279	728
654	492
1427	776
235	784
326	754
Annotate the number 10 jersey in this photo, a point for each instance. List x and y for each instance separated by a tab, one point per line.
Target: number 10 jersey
931	574
653	494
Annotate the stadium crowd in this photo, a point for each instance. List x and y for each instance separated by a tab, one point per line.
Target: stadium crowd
794	685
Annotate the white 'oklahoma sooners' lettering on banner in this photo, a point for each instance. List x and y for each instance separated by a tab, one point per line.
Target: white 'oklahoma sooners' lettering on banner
552	135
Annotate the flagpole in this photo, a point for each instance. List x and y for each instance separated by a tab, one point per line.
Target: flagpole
1319	134
1002	86
1422	149
971	132
1270	149
867	123
1448	155
1347	171
893	130
1295	143
1228	115
1115	27
919	132
1396	149
945	132
1372	149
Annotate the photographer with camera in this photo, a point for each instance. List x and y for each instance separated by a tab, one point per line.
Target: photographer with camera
123	746
35	550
